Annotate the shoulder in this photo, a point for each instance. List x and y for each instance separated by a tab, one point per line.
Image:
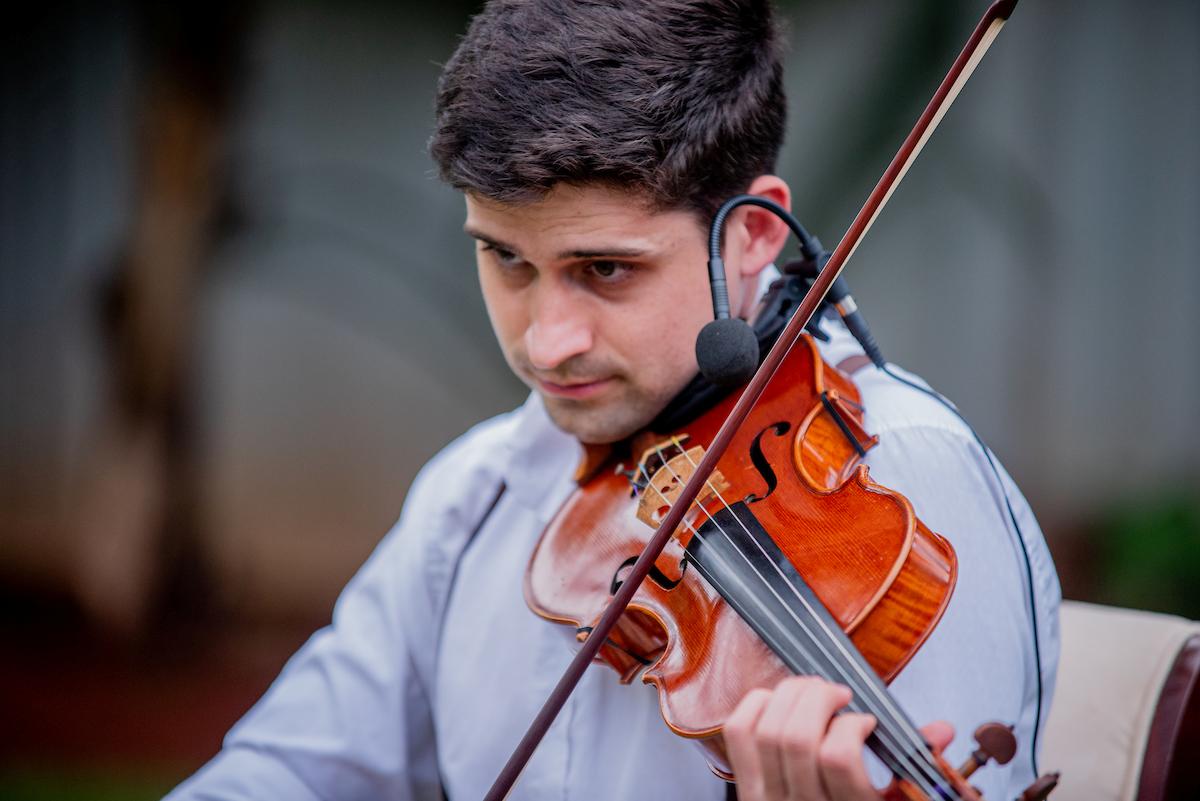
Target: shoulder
463	468
961	490
895	407
957	486
521	450
402	585
453	485
453	488
456	488
891	404
929	453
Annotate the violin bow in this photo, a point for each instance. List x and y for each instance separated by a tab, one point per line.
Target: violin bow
972	53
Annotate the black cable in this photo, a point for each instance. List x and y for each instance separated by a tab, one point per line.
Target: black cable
1012	516
810	246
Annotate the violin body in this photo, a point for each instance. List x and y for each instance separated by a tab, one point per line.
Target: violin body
795	468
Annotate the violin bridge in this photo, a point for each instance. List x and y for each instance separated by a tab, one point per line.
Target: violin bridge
666	482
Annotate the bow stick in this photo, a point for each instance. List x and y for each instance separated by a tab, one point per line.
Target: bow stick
981	39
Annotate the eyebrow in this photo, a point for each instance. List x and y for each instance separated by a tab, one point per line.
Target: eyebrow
583	253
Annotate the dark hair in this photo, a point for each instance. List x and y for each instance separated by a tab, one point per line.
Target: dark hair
681	100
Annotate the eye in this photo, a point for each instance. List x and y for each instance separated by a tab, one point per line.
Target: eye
504	257
610	271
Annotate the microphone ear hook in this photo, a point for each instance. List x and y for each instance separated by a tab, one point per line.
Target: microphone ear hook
727	349
810	246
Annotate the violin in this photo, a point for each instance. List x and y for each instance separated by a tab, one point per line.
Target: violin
772	552
789	544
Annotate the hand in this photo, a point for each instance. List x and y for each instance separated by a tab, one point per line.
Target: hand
788	744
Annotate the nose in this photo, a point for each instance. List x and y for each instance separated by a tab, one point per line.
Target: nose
558	330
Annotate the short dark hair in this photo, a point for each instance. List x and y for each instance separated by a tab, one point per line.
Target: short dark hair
680	100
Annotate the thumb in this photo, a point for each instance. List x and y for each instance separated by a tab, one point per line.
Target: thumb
939	733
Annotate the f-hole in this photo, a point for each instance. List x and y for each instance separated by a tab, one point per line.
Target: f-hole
657	576
760	461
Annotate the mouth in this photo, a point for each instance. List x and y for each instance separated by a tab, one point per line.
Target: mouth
578	390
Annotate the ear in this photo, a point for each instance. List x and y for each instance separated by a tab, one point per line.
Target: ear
754	238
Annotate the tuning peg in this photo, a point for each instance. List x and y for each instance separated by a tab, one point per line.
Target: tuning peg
996	742
1040	788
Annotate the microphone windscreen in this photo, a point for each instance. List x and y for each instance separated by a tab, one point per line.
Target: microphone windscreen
727	352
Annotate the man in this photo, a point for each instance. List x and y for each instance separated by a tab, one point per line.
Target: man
592	142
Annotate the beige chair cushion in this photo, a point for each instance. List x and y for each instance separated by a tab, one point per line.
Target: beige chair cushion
1113	667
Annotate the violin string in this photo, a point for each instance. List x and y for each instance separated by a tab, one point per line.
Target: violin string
850	679
885	735
865	680
868	692
871	687
869	681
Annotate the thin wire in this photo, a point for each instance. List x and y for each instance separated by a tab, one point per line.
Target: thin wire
1018	535
871	693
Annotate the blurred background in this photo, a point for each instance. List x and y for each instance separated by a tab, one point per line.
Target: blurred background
237	313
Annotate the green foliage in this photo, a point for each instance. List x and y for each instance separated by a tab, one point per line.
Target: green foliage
47	784
1149	554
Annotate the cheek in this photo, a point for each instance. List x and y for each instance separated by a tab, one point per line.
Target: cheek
670	340
691	311
663	333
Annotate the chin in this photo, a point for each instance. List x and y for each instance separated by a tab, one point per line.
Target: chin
595	426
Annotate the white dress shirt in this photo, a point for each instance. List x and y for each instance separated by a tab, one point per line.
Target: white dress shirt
434	665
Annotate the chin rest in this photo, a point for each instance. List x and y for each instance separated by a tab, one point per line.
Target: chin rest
1125	720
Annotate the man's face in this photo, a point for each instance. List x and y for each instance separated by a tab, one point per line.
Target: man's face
596	301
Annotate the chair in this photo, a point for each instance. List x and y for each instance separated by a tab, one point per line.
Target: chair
1125	722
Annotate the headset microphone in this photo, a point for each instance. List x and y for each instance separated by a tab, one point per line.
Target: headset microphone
727	349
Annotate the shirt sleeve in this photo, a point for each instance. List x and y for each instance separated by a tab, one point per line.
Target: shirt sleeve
983	660
349	717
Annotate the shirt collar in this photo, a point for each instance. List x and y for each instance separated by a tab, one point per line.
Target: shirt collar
542	459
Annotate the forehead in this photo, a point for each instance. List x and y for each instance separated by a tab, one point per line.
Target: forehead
569	212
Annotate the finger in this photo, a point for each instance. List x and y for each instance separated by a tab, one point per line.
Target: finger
774	732
938	734
806	729
840	761
740	746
